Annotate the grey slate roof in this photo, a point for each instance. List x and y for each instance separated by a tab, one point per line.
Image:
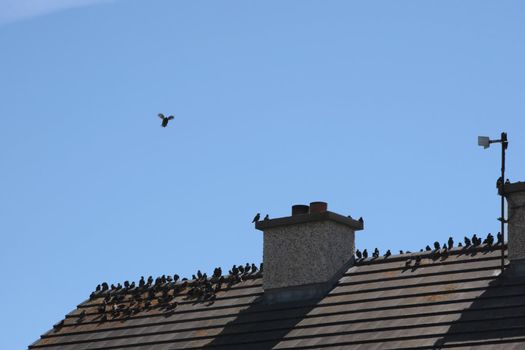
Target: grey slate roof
455	301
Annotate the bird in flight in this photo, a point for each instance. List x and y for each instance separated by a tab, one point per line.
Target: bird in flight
165	120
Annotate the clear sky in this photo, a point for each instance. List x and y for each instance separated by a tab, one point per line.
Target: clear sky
372	106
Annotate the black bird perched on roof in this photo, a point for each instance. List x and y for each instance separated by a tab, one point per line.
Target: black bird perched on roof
460	245
375	254
256	218
436	245
467	242
450	243
267	217
427	248
401	252
475	240
489	240
499	182
361	219
365	254
387	254
358	254
500	237
165	120
199	274
175	278
254	268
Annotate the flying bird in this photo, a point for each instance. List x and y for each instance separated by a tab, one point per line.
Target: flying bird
165	120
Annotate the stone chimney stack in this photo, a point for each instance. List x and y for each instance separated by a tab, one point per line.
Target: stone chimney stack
515	195
306	253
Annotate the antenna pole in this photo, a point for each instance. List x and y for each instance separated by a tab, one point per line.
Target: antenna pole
504	144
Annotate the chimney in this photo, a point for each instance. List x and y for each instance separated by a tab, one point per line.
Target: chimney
515	195
306	253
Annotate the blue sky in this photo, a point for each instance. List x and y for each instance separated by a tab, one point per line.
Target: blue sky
372	106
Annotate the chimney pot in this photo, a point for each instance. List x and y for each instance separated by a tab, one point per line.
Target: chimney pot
299	209
318	207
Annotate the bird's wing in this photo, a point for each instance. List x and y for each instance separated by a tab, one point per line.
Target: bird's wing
171	117
161	116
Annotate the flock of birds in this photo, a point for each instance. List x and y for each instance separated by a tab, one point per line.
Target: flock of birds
127	299
438	249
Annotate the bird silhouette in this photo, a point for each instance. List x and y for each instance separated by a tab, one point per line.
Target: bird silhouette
427	248
437	246
489	240
365	254
387	254
375	254
267	217
256	218
358	254
165	120
450	243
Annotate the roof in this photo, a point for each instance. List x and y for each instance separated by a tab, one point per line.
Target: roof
454	300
